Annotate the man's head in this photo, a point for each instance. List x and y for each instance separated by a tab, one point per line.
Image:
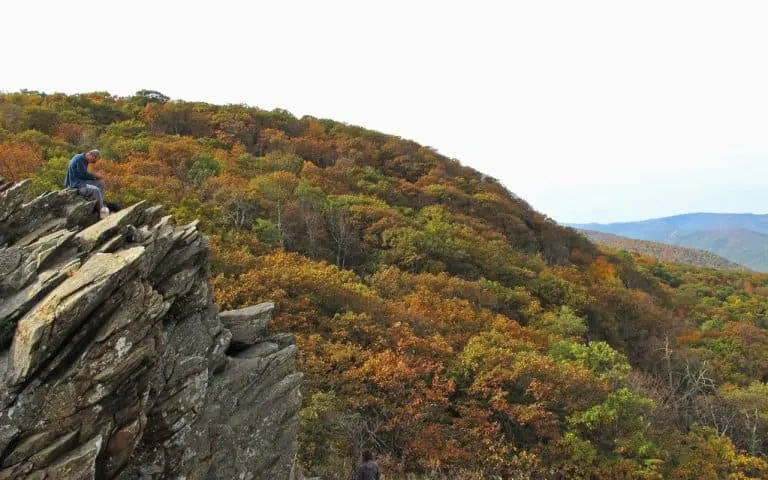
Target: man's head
367	456
92	156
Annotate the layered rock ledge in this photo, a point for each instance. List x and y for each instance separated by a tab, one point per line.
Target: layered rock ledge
116	363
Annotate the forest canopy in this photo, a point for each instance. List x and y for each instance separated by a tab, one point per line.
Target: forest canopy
442	322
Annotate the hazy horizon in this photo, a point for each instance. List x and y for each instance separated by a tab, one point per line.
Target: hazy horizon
591	112
660	218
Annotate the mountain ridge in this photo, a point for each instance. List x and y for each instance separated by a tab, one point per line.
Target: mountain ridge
663	251
678	216
740	238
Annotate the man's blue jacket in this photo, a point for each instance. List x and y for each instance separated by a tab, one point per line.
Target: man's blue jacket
77	172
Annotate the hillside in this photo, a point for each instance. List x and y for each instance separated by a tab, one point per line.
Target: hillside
747	247
441	321
740	238
662	251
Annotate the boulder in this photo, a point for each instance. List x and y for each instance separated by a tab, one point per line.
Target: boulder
248	325
114	360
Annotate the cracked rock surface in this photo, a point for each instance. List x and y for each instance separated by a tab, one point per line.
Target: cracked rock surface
114	361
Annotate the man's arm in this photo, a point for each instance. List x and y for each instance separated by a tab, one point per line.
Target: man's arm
81	169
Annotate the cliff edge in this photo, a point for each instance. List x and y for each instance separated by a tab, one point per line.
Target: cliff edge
115	362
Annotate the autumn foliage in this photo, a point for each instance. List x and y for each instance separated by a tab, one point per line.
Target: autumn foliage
442	322
18	160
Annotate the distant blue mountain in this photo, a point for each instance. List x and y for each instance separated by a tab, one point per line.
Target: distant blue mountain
742	238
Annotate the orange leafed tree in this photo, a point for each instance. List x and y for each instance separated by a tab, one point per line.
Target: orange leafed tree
18	161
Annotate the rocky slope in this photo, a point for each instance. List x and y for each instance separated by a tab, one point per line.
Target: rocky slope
116	363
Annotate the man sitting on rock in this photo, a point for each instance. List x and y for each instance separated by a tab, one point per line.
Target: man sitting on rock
86	183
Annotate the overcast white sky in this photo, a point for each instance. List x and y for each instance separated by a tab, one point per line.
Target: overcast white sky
592	111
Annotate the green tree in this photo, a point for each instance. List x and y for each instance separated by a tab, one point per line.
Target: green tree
276	188
202	166
563	322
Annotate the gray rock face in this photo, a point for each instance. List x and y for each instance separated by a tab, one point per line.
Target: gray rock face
114	361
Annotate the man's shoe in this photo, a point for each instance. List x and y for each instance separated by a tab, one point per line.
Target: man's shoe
104	213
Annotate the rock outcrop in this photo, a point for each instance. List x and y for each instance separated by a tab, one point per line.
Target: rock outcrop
116	363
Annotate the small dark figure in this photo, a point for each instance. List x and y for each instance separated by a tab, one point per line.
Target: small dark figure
368	470
86	183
